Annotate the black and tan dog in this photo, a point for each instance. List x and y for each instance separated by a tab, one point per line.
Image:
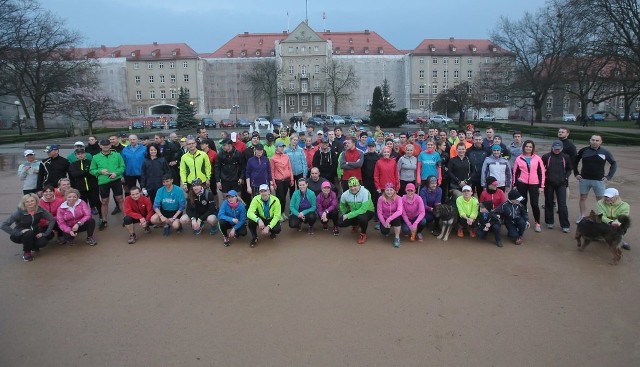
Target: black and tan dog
447	213
591	228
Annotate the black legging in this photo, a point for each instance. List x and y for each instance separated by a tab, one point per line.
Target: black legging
92	197
331	216
530	193
88	226
226	226
295	222
29	241
282	187
253	227
361	220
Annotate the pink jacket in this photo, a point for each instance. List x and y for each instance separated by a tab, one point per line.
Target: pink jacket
412	210
389	210
67	217
530	174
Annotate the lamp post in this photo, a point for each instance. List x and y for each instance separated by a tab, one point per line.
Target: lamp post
533	106
17	103
235	108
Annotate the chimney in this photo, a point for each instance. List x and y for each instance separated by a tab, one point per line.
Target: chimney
327	31
284	32
103	47
366	31
450	39
155	43
246	33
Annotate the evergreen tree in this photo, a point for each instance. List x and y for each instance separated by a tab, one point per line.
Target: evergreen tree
186	112
382	106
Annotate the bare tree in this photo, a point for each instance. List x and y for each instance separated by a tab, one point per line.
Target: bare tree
41	61
90	104
460	99
341	82
263	78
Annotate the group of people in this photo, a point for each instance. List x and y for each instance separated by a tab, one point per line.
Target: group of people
241	184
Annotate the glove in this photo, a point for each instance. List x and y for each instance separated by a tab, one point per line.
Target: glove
145	192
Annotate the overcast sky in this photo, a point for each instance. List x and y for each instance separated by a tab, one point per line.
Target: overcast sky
206	25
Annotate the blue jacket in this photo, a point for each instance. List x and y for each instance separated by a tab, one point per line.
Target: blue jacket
258	170
133	159
298	161
227	214
169	201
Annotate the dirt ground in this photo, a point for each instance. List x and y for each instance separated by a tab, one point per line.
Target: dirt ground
322	300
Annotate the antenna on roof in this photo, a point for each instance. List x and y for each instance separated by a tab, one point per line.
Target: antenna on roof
324	21
287	21
306	11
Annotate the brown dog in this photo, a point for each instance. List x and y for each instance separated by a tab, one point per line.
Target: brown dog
591	228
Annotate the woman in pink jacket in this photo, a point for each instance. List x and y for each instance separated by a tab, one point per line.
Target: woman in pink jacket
74	216
528	179
413	220
390	212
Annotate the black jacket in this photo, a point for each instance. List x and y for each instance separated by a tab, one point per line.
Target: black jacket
369	165
476	157
80	177
201	206
326	163
558	168
52	170
152	172
229	166
21	219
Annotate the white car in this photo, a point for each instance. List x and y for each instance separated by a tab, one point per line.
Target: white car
569	117
440	119
487	118
335	120
261	122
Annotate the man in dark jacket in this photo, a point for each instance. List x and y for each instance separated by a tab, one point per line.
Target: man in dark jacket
370	158
558	169
229	168
84	181
476	155
53	168
514	216
326	160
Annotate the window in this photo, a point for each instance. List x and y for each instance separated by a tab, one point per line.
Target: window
304	85
317	101
580	104
486	74
434	89
456	74
469	88
161	78
456	60
161	65
292	85
434	61
149	65
421	74
469	74
304	70
486	60
305	101
185	77
421	61
302	49
445	74
140	110
316	69
549	103
315	48
163	94
186	90
150	78
421	103
292	100
173	78
291	70
137	78
445	60
172	65
421	89
434	74
138	95
620	102
173	94
152	94
136	65
316	84
469	61
290	49
185	64
565	103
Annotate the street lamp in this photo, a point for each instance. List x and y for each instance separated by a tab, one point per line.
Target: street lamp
533	106
17	103
235	108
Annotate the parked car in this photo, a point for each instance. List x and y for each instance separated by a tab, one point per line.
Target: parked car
487	118
347	119
315	121
157	125
597	117
227	123
261	122
294	119
420	120
569	117
365	120
335	120
243	123
173	124
322	117
137	125
440	119
208	122
632	116
356	120
276	122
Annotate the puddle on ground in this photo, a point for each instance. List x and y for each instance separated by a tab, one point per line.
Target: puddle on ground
10	162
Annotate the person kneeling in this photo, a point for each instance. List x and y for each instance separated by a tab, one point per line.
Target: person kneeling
514	215
137	209
356	208
168	205
32	237
327	207
201	209
489	221
264	213
467	206
74	216
303	207
390	213
232	218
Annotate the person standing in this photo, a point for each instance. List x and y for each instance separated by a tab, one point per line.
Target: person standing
298	161
53	168
229	168
591	175
133	156
108	167
194	164
497	166
429	164
153	169
86	183
407	168
258	171
515	148
325	160
28	173
460	169
351	162
558	167
477	154
369	163
282	177
529	178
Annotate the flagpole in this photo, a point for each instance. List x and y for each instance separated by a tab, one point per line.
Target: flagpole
306	11
287	21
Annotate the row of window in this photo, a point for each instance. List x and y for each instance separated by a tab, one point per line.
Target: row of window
302	49
304	101
303	69
304	85
185	78
172	65
163	94
456	60
445	74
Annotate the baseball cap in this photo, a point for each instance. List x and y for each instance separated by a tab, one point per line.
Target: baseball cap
411	187
371	144
78	143
51	147
258	147
611	192
183	139
353	181
196	181
496	147
325	184
491	180
279	144
104	142
29	152
270	137
557	145
255	133
226	141
320	132
466	188
232	193
515	195
167	176
420	133
325	140
79	150
234	136
263	187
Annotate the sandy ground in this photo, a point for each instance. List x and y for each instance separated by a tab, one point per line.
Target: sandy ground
321	300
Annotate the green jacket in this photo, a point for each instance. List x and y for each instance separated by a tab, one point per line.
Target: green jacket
611	212
269	150
294	203
339	169
468	209
256	210
112	162
194	166
354	205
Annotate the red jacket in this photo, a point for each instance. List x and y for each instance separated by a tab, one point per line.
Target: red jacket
386	171
353	158
496	198
137	209
308	153
67	219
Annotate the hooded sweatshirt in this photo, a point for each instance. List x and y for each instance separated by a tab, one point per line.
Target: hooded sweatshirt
386	171
281	167
353	205
389	210
412	209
